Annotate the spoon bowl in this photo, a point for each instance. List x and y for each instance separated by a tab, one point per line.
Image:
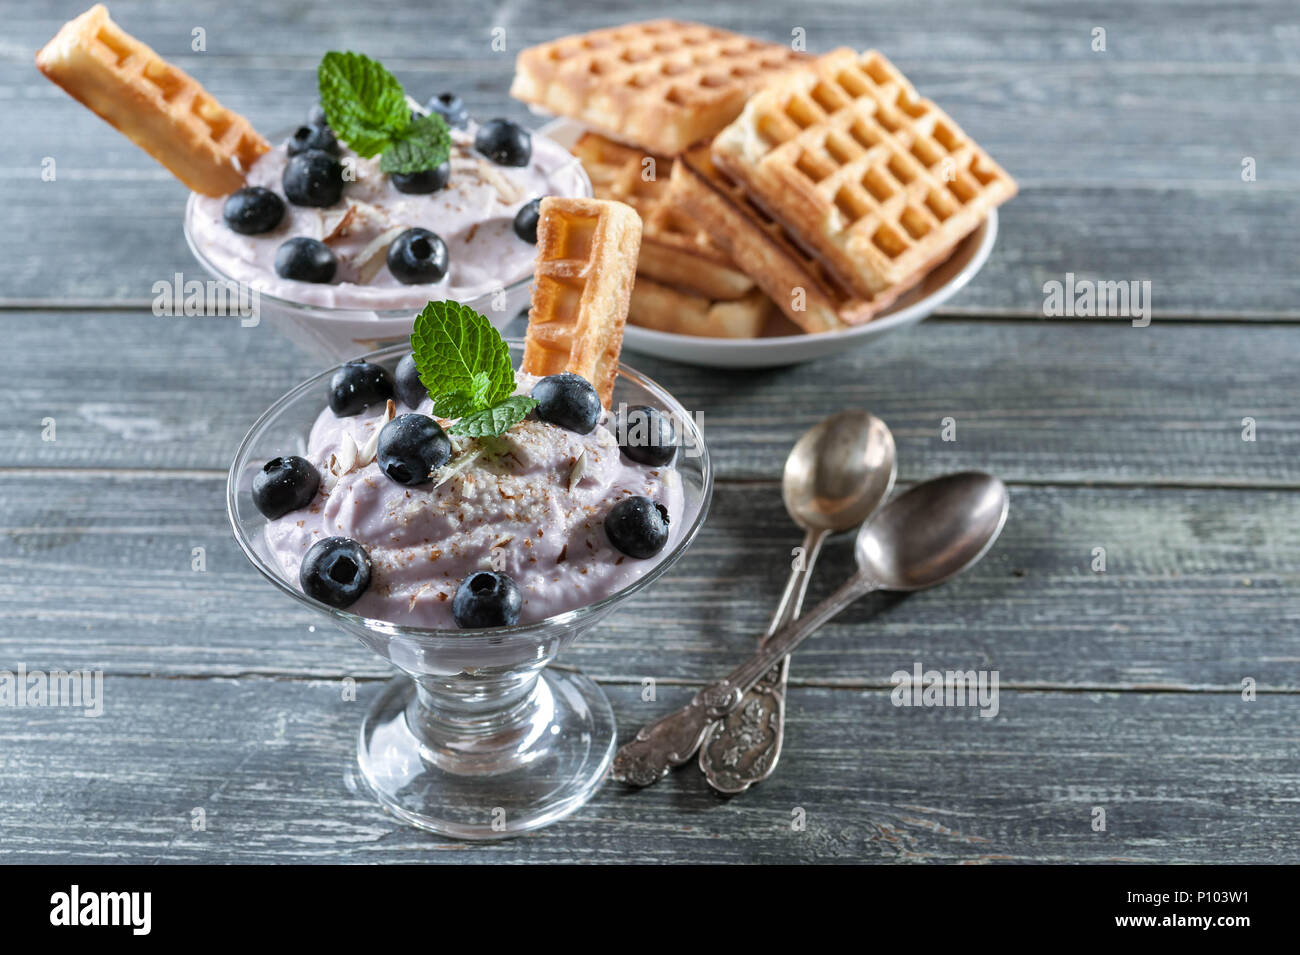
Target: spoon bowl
933	531
839	471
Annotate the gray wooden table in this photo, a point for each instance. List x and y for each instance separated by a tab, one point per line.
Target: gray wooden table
1121	690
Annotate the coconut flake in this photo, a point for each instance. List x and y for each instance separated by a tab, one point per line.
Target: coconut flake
507	192
368	450
347	455
370	259
335	225
416	596
578	470
457	466
360	218
371	447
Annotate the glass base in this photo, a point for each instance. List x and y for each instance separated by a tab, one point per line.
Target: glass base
549	760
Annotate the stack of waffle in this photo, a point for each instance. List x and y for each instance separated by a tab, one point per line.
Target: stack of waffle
685	282
768	182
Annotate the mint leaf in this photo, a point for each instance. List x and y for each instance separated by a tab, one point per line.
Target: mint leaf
483	384
364	104
425	144
465	364
457	404
498	419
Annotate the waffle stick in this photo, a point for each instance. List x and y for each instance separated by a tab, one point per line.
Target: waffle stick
876	181
661	85
157	106
586	265
674	250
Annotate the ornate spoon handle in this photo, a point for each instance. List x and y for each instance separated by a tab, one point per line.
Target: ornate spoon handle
672	740
743	748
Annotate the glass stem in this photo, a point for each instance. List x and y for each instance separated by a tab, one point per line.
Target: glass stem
477	725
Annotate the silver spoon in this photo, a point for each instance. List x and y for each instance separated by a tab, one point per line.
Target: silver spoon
923	537
836	476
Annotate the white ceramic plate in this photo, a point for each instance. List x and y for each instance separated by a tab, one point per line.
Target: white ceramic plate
941	284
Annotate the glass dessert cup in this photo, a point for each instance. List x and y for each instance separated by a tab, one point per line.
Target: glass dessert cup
477	739
337	333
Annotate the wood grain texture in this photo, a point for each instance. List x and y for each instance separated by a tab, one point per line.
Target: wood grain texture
1039	402
1047	31
1129	160
1168	235
1182	778
1120	690
1050	124
1199	591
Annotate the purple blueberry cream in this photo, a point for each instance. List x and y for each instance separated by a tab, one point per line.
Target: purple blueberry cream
451	531
416	203
472	213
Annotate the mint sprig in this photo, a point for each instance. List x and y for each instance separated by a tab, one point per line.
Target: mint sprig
498	419
465	364
425	144
366	107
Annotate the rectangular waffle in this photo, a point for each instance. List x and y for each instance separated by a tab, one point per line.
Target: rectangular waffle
795	281
661	85
157	106
586	264
876	181
667	309
674	250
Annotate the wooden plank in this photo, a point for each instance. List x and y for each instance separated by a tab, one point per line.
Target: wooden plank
1181	777
1069	123
1111	149
1099	233
1199	590
1130	166
1041	402
1044	32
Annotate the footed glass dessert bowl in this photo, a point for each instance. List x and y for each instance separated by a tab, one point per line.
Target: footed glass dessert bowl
477	738
333	332
336	322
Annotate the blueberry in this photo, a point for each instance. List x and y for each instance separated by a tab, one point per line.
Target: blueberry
304	259
335	571
316	115
646	435
637	526
253	210
567	400
356	386
486	599
424	182
312	136
407	383
411	447
504	142
283	485
417	257
526	220
450	107
313	178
